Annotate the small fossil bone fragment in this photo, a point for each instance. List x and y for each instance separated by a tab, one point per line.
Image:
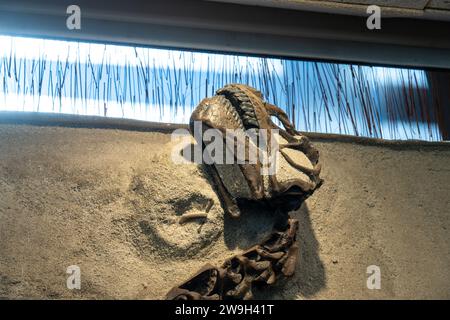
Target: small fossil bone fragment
189	216
199	215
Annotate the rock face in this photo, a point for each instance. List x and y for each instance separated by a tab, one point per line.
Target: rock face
110	202
163	195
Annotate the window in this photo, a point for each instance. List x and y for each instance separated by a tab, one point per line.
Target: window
165	85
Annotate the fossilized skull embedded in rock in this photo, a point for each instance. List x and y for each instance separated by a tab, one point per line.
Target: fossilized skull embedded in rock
295	170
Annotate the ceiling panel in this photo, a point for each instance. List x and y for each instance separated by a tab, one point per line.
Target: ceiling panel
411	4
414	9
439	4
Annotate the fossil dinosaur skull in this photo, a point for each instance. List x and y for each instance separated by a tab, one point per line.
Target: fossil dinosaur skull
242	109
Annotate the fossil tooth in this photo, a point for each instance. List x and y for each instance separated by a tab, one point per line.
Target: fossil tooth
250	114
247	107
253	122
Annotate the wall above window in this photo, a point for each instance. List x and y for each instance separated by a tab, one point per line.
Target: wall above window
237	28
